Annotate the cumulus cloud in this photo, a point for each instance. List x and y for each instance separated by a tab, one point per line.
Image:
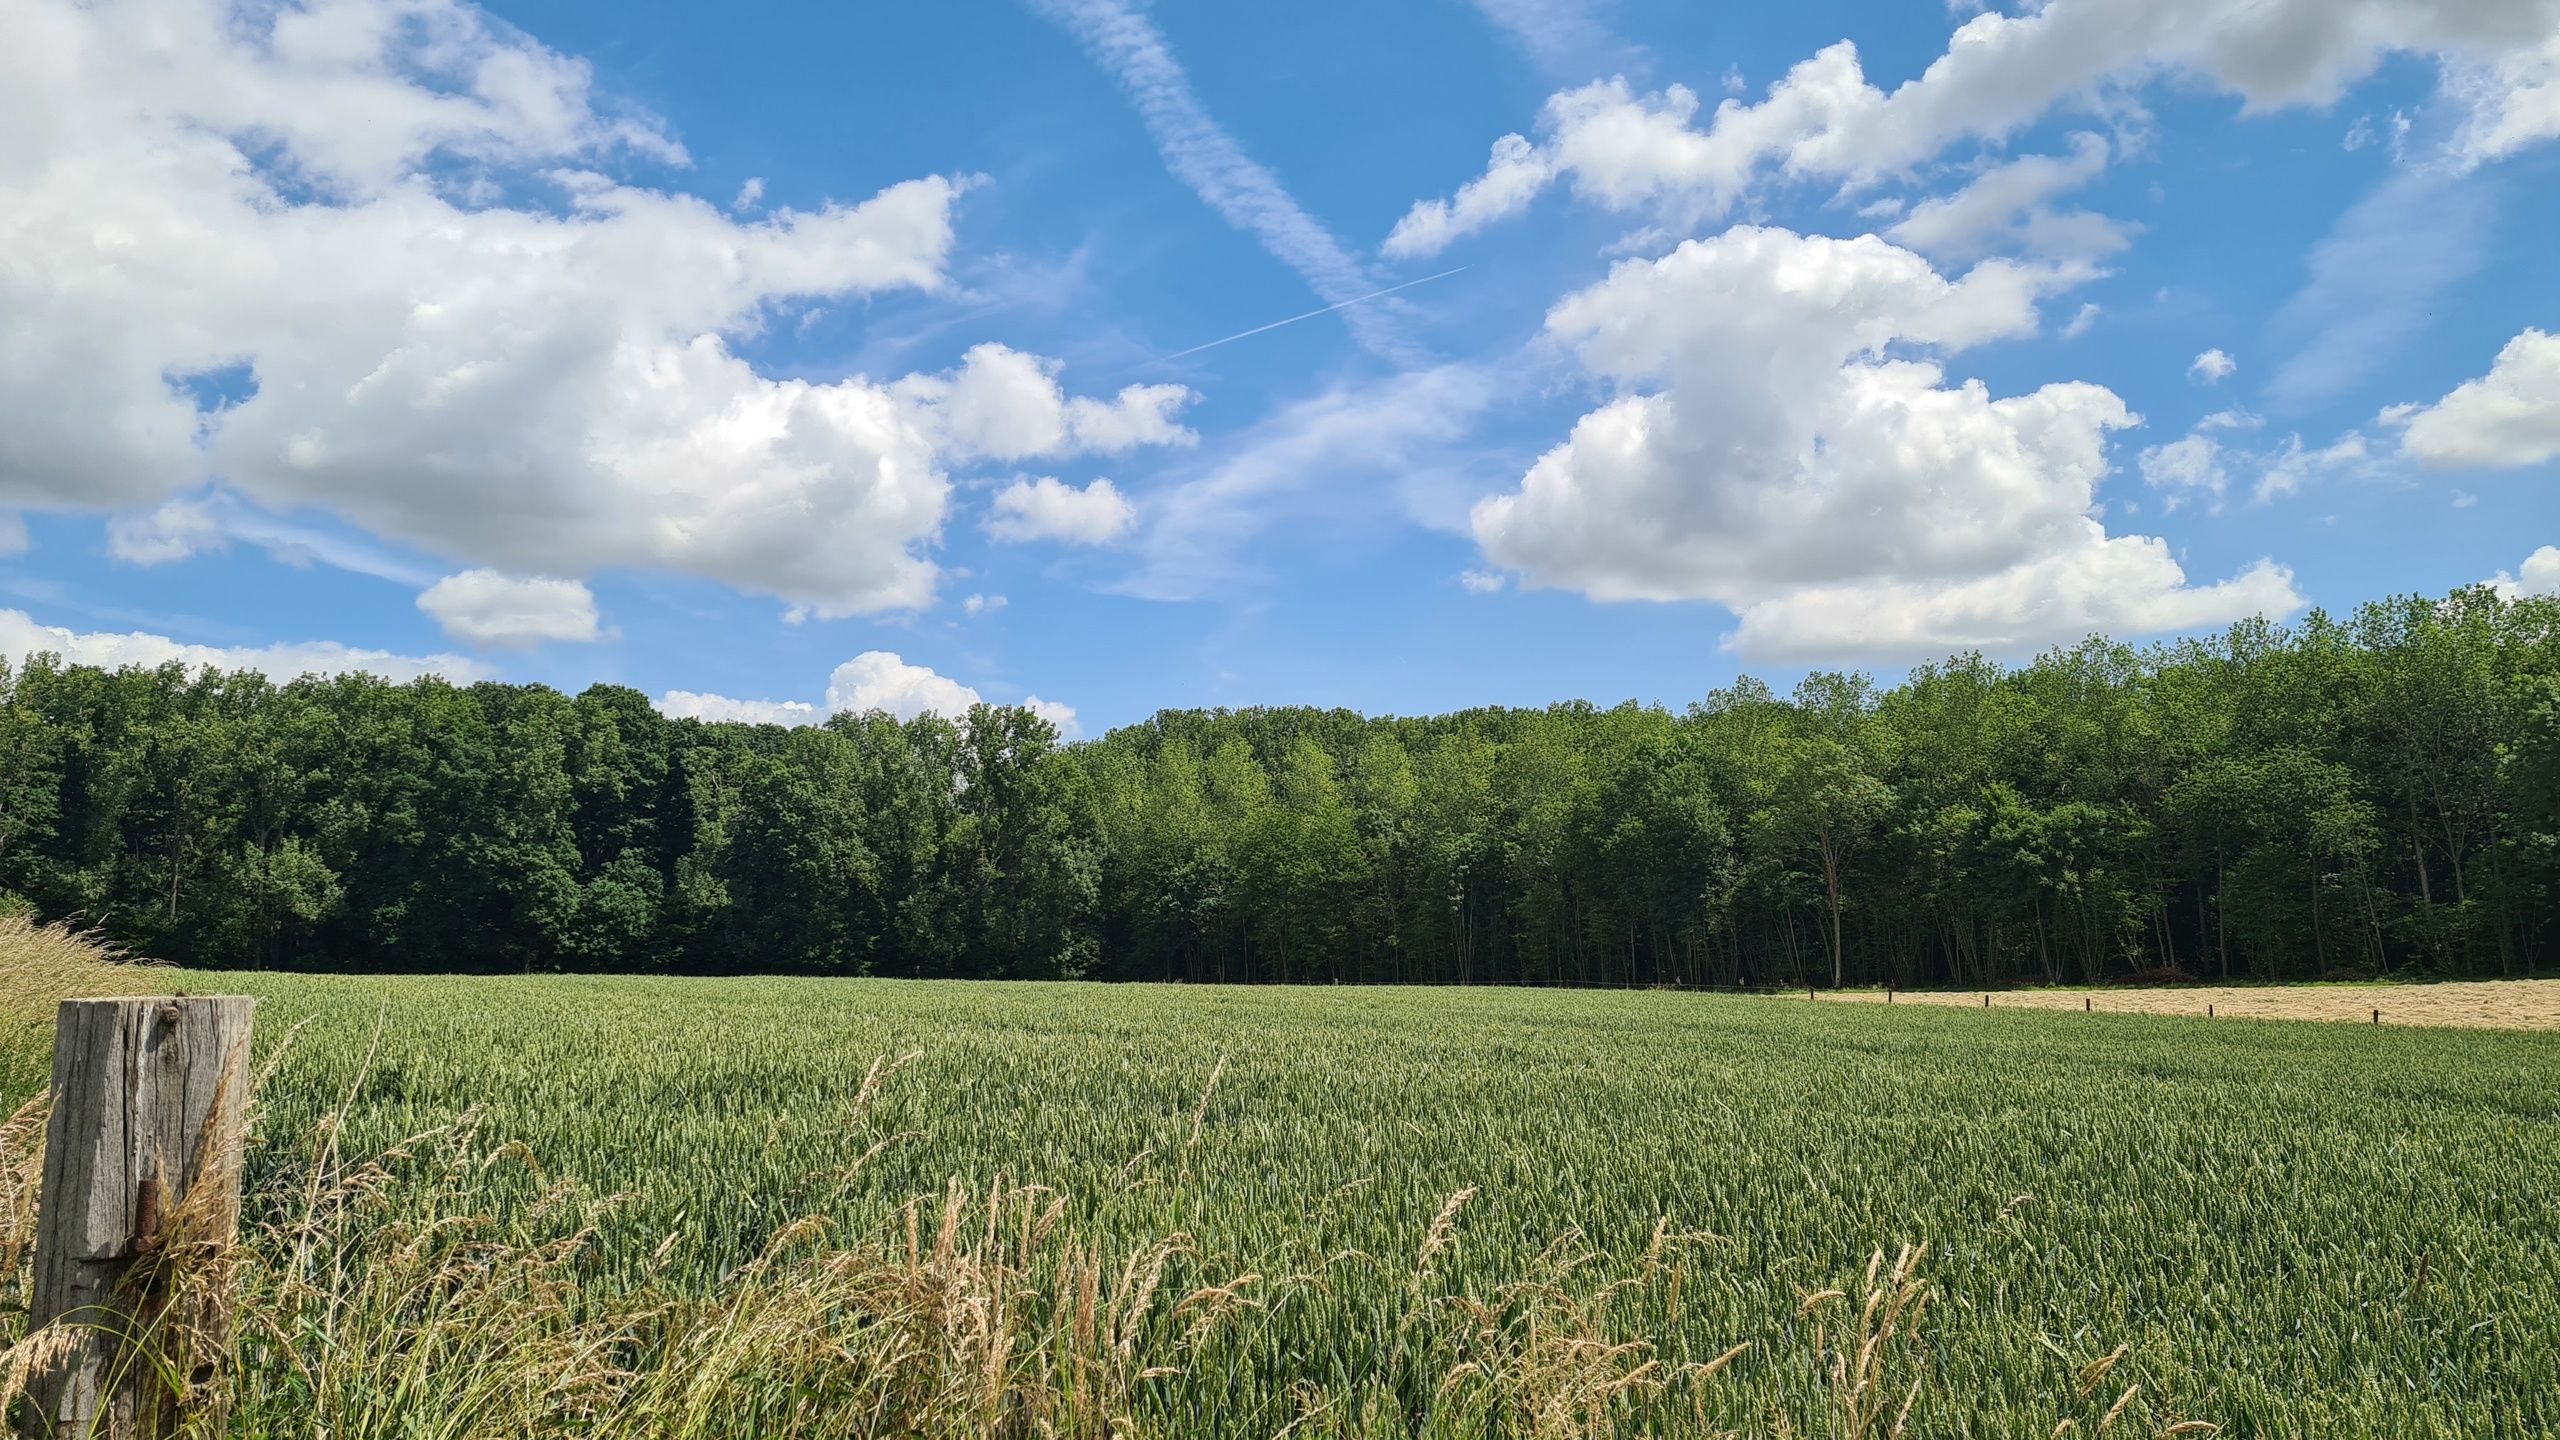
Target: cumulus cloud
982	604
2538	575
2000	73
1050	509
1003	404
21	636
874	680
694	705
2212	367
1511	179
1061	718
1780	450
2508	417
499	612
879	680
375	226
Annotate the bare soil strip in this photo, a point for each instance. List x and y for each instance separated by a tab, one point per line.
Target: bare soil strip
2482	1004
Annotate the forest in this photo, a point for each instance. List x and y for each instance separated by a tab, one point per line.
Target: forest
2378	794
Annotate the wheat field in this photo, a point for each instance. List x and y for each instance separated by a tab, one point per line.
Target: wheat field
2471	1004
660	1207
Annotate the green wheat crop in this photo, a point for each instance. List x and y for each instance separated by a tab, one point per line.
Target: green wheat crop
1216	1212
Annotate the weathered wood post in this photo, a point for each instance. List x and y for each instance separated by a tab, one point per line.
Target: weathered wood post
141	1204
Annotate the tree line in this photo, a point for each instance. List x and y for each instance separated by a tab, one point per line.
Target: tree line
2360	796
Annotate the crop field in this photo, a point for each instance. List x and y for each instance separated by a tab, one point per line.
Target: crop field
2494	1004
1204	1211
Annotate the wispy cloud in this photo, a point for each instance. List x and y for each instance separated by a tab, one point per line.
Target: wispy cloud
1201	154
1567	39
1317	458
2375	277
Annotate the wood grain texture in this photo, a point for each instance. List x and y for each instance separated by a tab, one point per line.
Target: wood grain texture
141	1179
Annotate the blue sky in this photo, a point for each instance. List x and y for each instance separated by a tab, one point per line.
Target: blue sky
773	358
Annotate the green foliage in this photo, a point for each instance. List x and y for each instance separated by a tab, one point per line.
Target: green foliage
2375	795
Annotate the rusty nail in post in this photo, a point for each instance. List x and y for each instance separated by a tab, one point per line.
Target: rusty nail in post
146	1217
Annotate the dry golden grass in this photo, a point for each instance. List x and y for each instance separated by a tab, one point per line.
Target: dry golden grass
2478	1004
44	965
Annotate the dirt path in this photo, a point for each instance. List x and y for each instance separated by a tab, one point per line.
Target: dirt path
2487	1004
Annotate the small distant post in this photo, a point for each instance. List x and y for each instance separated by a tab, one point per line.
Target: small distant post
2208	1010
2377	1017
141	1190
1986	1001
1888	994
2087	1005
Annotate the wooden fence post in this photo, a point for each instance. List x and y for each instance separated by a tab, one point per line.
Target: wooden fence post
141	1197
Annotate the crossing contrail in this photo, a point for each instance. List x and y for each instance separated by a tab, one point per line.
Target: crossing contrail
1310	315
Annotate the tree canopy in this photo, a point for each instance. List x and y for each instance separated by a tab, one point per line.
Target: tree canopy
2370	795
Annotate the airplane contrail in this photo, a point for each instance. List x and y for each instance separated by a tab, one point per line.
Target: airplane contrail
1310	315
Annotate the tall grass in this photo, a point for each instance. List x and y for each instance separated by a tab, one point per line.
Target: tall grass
383	1298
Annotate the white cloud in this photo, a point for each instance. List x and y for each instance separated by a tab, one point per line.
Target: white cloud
2005	207
2512	100
2212	367
2190	465
2287	470
2539	575
1778	452
21	636
1511	179
2081	323
497	612
1050	509
982	604
373	218
874	680
879	680
1202	155
693	705
2002	72
2232	419
13	533
174	530
1003	404
1483	582
2508	417
1060	717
